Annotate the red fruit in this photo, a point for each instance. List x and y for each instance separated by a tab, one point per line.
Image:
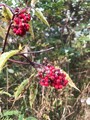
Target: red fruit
22	16
21	22
14	30
26	26
50	76
23	11
16	20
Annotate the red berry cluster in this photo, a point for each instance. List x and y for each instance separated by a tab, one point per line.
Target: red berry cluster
21	20
51	76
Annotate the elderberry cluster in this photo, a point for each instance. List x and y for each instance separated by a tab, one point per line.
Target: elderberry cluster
21	19
51	76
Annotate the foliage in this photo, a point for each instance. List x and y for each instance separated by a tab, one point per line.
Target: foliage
64	25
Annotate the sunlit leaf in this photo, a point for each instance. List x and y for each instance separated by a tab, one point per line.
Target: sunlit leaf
31	30
20	47
46	117
40	15
2	32
70	82
33	2
7	13
5	56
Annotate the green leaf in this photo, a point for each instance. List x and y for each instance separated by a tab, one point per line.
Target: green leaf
31	30
21	117
10	71
2	32
40	15
20	88
33	93
5	56
6	93
6	12
10	113
31	118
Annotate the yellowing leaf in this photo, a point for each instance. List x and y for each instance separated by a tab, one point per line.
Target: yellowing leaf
5	56
33	93
40	15
70	82
7	13
31	30
20	88
2	32
20	47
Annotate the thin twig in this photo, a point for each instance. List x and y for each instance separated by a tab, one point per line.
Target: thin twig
18	62
34	64
35	52
7	85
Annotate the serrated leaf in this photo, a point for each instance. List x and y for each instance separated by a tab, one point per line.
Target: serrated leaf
40	15
70	82
20	88
2	32
7	13
33	93
31	30
5	56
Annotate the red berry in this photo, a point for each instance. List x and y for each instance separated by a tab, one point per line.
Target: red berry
21	22
50	76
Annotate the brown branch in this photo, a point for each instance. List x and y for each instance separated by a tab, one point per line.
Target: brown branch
7	34
34	64
18	62
35	52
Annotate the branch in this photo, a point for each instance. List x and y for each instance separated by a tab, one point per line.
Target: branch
30	62
7	34
34	64
18	62
35	52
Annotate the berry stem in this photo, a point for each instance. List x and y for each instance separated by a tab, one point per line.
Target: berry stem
34	64
7	34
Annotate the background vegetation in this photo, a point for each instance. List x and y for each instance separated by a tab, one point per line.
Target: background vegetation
69	34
